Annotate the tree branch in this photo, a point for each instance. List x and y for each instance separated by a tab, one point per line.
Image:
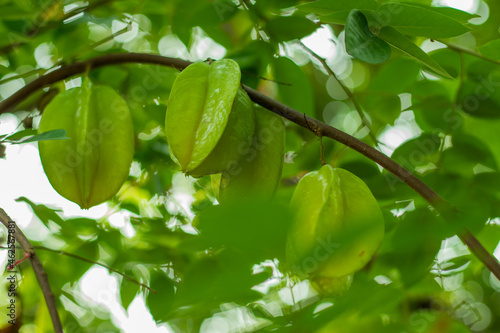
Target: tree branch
317	127
38	269
67	71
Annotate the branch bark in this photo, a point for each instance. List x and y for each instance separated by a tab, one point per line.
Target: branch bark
40	273
317	127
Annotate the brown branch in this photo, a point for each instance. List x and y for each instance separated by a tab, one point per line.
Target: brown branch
67	71
37	268
314	125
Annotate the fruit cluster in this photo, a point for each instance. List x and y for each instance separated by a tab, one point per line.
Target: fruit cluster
213	128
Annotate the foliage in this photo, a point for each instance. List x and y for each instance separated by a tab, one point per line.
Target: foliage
417	81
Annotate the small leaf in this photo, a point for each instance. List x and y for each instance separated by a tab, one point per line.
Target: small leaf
418	21
384	108
256	229
479	102
326	7
466	152
407	73
417	152
448	59
456	14
490	49
18	135
160	303
487	131
432	106
58	134
361	43
285	28
44	213
224	277
402	43
296	90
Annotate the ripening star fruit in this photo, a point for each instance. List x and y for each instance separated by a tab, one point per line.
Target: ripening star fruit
92	165
208	116
337	227
258	172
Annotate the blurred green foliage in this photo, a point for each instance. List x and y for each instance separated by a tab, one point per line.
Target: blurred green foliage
434	109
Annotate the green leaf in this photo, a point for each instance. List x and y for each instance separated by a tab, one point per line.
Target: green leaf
283	28
487	131
58	134
18	135
160	303
325	7
489	237
385	80
336	18
361	43
214	13
12	13
44	213
413	256
128	291
449	60
456	14
417	152
479	95
453	13
385	108
222	277
418	21
490	49
477	101
433	106
296	90
466	152
474	206
402	43
256	229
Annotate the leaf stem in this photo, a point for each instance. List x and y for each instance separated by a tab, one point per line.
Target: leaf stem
469	52
346	90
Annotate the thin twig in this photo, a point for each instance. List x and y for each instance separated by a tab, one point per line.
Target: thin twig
322	150
258	14
23	75
42	26
38	247
265	79
66	71
37	268
346	90
314	125
469	52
